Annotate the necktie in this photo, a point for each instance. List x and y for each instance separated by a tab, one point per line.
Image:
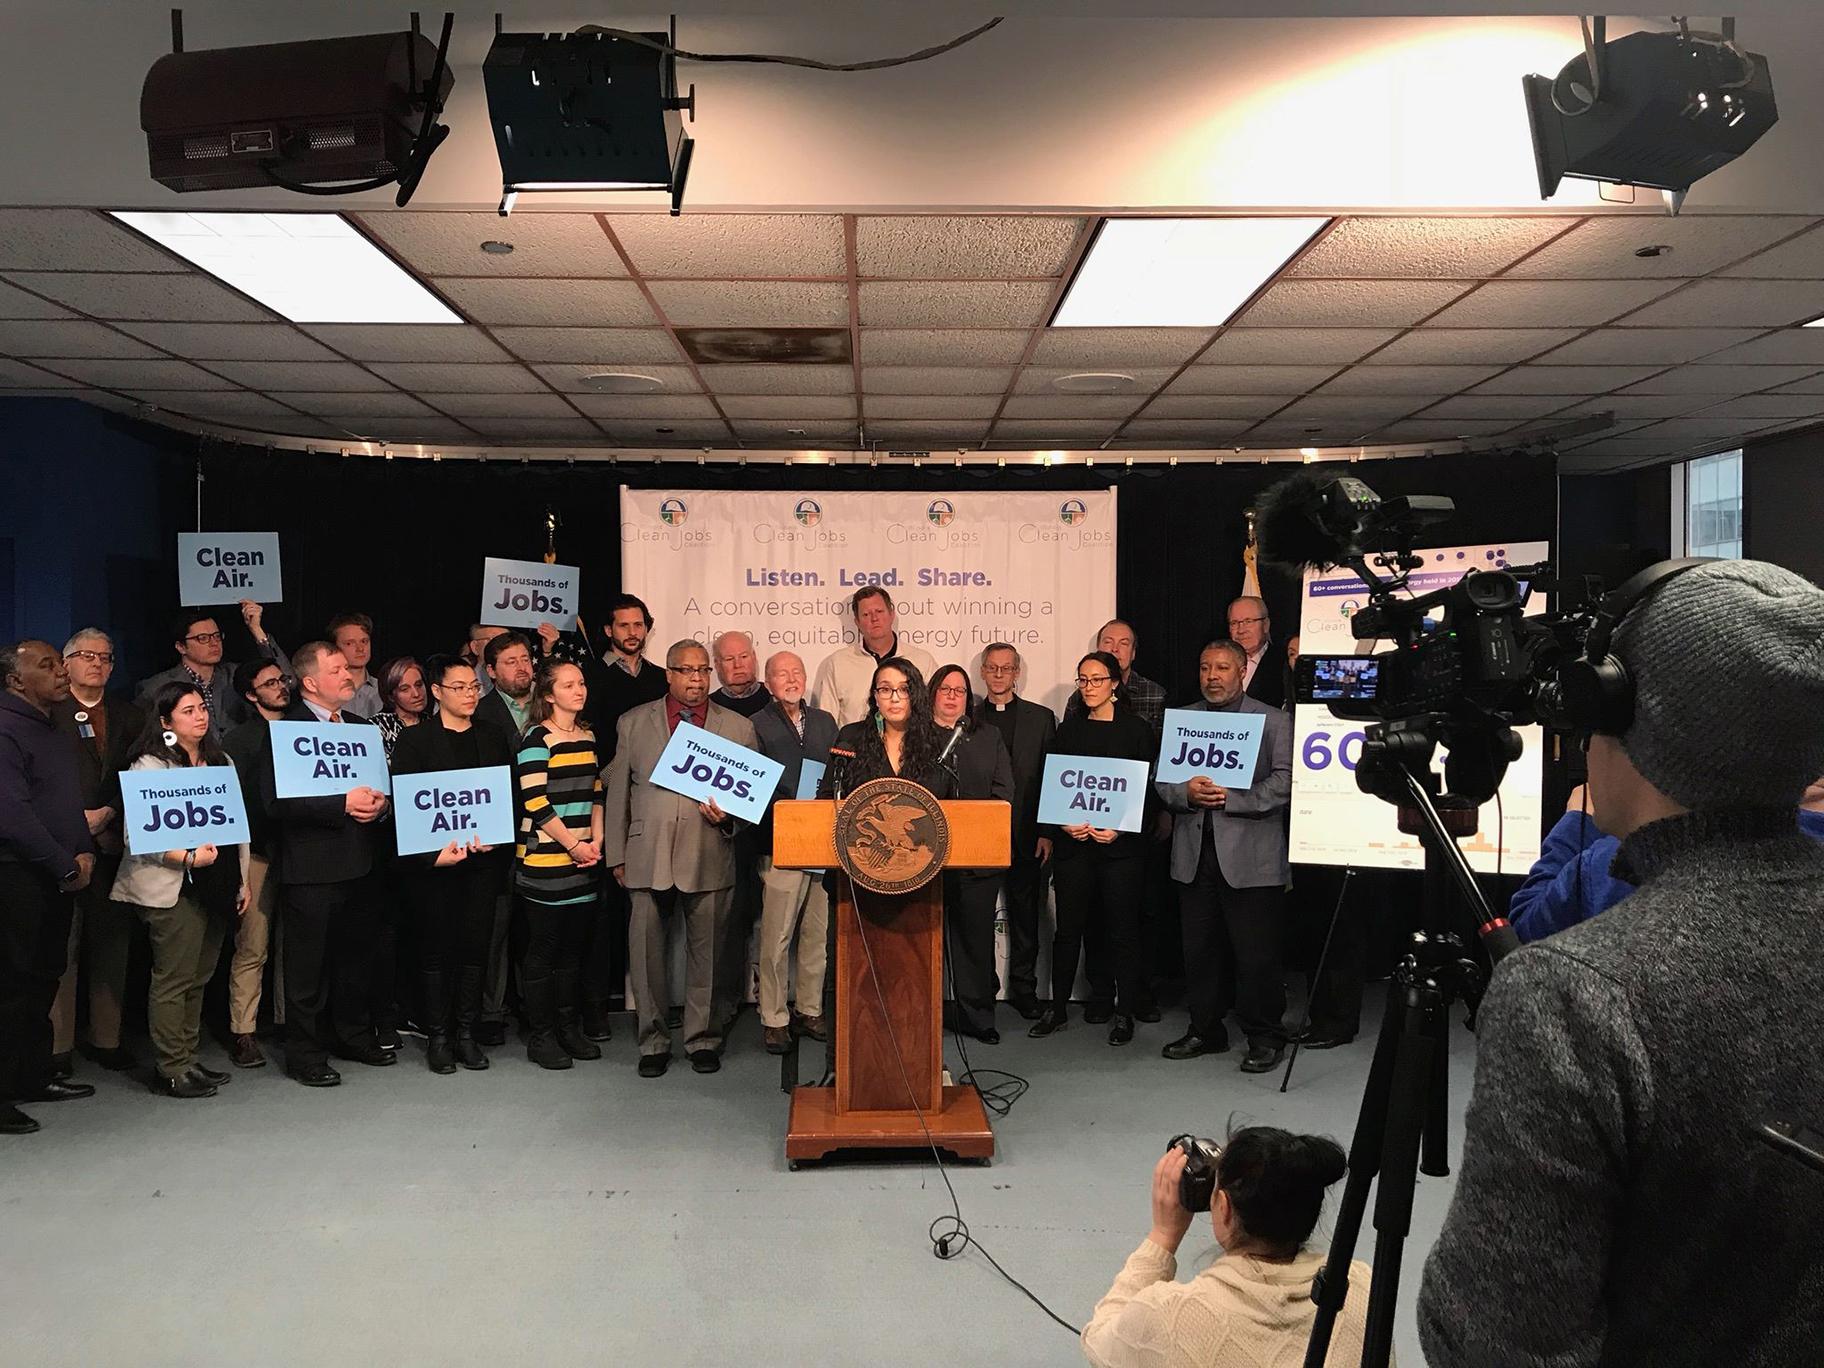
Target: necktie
335	717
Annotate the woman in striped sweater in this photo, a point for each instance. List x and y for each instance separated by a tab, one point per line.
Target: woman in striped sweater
557	871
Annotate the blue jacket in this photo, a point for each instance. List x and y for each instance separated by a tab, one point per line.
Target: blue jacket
1571	882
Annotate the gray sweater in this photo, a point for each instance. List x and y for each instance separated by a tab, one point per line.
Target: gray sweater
1613	1205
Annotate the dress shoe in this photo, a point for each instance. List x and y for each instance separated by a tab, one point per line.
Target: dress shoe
63	1065
491	1033
214	1077
185	1085
778	1039
1097	1013
371	1055
1028	1008
543	1049
989	1036
1190	1045
1262	1057
1051	1019
59	1091
1150	1015
654	1065
468	1053
1122	1032
575	1044
387	1038
115	1059
439	1057
315	1075
15	1122
705	1061
245	1052
1326	1040
812	1026
595	1024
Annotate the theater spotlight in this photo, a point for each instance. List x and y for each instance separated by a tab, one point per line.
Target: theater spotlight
590	110
1662	110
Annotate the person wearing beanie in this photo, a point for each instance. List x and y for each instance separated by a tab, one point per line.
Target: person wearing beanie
1614	1205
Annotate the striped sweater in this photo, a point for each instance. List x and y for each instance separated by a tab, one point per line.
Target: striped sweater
561	779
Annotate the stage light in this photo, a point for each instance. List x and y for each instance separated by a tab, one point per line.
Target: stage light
587	111
1177	272
1661	110
309	268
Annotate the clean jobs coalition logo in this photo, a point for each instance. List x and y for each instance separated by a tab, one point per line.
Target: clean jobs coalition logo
672	512
942	512
1071	512
808	512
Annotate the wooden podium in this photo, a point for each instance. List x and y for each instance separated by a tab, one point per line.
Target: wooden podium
870	1107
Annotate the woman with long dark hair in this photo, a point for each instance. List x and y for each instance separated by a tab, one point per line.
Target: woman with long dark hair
1099	872
896	739
185	897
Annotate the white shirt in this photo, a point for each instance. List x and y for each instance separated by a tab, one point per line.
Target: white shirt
1254	659
847	674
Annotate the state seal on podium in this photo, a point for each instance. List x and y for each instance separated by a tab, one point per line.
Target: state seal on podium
892	836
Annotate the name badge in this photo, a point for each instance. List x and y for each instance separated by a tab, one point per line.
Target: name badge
430	810
173	809
326	759
1089	790
701	765
1220	746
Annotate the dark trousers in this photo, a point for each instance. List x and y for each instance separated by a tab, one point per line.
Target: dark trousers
384	1003
34	942
452	917
734	963
1099	899
969	901
1336	995
1234	953
1027	882
605	955
1160	940
550	972
327	949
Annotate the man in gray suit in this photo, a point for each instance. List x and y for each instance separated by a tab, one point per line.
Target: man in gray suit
672	854
1229	860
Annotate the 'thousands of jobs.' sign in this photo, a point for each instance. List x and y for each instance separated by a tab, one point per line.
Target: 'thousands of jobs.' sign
326	759
1221	746
431	810
226	567
701	765
173	809
517	593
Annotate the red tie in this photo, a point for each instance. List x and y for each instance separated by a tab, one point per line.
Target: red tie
335	717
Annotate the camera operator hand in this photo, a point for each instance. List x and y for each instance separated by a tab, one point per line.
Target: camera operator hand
1579	801
1170	1219
1206	793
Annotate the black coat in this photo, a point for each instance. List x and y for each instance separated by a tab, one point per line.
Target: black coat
1269	683
100	765
428	747
1033	728
858	771
317	842
982	770
494	711
779	741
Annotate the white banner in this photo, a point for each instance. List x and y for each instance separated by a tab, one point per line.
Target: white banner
964	569
1334	822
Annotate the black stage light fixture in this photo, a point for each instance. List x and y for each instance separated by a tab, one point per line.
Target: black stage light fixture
306	116
1661	110
590	110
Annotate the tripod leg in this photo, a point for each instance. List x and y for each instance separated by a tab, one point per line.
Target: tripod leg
1317	977
1435	1162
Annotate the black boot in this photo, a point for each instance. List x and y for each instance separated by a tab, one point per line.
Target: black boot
569	1022
539	995
434	1002
438	1055
468	1012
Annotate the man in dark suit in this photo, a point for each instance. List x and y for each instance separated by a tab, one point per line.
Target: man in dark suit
102	726
1229	861
506	663
1027	728
329	865
1250	628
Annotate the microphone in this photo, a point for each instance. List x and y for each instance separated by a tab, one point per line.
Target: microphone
839	770
956	735
1312	520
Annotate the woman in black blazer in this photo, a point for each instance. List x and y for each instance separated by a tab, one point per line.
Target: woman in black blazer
896	739
451	892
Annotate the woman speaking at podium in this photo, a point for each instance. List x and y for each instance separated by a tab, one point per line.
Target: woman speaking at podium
897	739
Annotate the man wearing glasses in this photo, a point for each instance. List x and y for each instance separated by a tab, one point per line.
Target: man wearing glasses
1251	629
198	641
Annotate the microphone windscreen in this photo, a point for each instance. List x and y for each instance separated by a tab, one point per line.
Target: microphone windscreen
1288	523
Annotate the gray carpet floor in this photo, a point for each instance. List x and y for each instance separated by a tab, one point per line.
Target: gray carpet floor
524	1217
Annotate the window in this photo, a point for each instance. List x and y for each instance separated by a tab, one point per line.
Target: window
1713	505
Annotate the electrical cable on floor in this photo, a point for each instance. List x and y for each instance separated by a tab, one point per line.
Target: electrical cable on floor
877	64
996	1097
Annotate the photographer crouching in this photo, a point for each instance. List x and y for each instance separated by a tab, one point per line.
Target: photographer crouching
1613	1205
1263	1191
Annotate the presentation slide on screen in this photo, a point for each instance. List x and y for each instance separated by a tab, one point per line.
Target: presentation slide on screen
1333	821
964	570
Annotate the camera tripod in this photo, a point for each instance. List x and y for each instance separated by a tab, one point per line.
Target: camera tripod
1401	1129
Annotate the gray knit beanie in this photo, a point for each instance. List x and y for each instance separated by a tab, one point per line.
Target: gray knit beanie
1728	669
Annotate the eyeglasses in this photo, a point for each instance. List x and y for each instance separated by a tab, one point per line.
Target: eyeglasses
691	671
276	682
952	691
999	669
470	688
1084	681
892	691
99	657
1243	622
206	638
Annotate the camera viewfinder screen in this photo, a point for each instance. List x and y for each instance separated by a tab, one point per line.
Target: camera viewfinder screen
1342	677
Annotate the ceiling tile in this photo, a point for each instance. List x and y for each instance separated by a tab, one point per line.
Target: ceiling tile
446	377
573	379
932	432
1768	406
1118	348
1564	379
1645	346
1072	405
1251	379
930	405
1468	346
1549	304
727	246
1141	430
978	304
1373	247
341	376
934	380
173	375
408	342
1613	454
606	346
1513	407
232	341
659	408
1738	303
1726	381
1362	409
783	432
1687	432
789	406
76	240
1309	433
572	429
1294	346
943	346
472	405
752	304
674	432
1055	429
340	404
1813	384
215	404
1250	406
16	303
779	379
412	431
18	375
1786	347
590	303
1800	259
964	246
1630	406
1440	430
1431	380
67	337
449	244
1348	303
1603	247
1040	379
189	298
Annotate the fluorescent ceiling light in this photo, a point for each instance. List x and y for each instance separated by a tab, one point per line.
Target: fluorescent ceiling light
310	268
1178	273
1815	323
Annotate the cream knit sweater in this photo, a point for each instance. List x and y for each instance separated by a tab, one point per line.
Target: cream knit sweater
1237	1313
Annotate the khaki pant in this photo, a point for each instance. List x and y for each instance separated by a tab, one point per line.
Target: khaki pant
792	903
252	937
705	925
186	943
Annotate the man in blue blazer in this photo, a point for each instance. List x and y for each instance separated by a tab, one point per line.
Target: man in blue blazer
1229	859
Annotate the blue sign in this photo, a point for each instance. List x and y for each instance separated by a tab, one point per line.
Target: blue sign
518	593
326	759
432	809
1221	746
226	567
701	765
809	777
1091	790
180	809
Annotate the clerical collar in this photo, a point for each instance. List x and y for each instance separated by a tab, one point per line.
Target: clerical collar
1001	707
